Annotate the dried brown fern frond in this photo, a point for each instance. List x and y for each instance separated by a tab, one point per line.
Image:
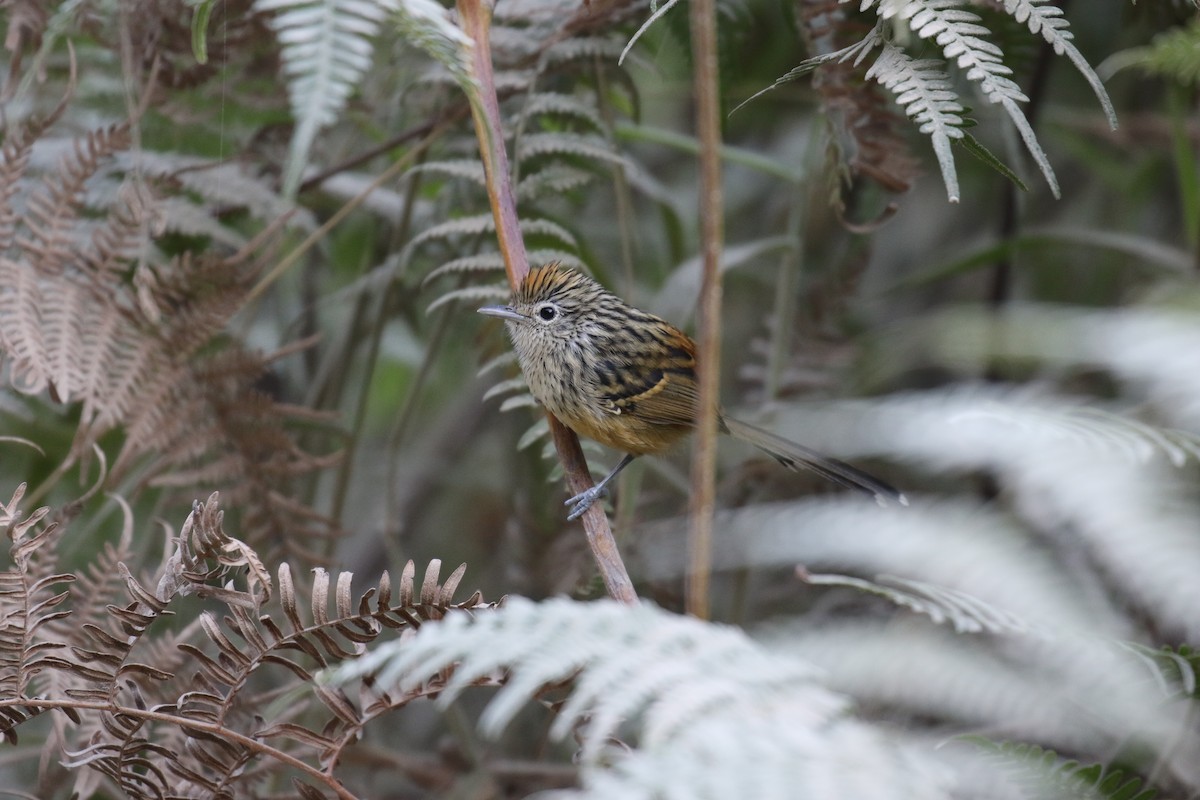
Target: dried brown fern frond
203	718
30	596
87	317
53	209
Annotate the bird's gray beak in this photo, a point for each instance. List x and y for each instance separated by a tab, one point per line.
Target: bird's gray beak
503	312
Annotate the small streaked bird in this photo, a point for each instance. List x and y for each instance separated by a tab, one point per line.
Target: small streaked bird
627	379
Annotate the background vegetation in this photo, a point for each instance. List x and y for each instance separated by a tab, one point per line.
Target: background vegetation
249	413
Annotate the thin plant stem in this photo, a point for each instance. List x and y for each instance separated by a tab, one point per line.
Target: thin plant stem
705	79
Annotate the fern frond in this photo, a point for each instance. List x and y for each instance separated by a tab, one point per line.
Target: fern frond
552	179
1044	775
923	90
429	26
1174	54
327	47
1000	567
55	207
589	148
225	185
31	594
471	295
562	105
470	169
224	656
1176	670
1078	470
504	387
579	48
484	223
958	33
494	262
767	728
1047	19
966	614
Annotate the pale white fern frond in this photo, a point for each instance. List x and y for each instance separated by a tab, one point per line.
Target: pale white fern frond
535	433
1075	478
954	545
960	36
1150	349
709	713
923	90
1071	693
326	46
474	264
964	612
1047	19
505	359
223	183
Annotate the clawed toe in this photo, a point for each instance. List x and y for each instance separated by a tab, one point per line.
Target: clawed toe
583	501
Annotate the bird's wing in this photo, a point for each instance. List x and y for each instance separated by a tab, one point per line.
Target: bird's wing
657	397
658	384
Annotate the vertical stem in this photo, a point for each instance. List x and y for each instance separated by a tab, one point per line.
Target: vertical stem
703	20
476	16
1000	292
1179	103
476	19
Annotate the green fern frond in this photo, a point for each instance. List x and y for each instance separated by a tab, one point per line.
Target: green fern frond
1175	669
553	179
1174	54
562	105
579	48
505	387
1042	774
589	148
520	401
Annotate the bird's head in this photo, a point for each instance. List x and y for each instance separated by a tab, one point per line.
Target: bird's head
553	307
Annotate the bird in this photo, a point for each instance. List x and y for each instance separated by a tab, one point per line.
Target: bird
627	379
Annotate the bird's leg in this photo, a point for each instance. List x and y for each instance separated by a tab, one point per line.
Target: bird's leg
583	501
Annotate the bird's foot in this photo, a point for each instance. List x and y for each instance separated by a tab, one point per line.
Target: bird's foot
584	500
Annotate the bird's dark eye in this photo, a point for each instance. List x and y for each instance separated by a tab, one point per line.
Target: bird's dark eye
547	313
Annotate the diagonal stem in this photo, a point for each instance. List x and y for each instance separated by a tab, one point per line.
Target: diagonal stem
476	18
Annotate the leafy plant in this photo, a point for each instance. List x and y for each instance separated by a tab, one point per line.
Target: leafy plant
241	245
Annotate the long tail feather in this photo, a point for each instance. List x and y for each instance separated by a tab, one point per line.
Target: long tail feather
797	457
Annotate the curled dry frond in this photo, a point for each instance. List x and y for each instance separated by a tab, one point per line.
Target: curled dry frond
156	721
